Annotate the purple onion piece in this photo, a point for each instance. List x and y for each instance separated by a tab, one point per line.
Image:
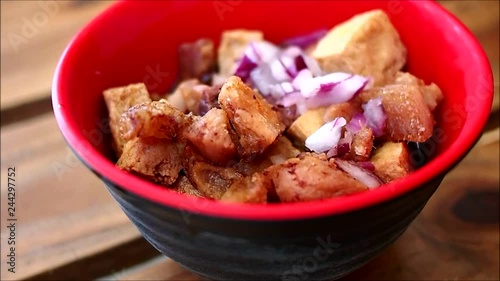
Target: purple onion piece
327	136
357	122
305	40
374	113
361	174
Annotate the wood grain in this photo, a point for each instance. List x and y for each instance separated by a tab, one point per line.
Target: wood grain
34	35
64	212
456	237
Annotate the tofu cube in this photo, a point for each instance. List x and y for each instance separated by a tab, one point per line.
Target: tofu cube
232	46
392	161
118	101
306	124
367	44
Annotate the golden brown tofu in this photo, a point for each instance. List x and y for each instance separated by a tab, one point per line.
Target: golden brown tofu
362	144
306	124
184	186
212	181
367	44
431	93
251	189
118	101
153	119
232	46
277	153
345	109
154	159
392	161
256	124
210	134
310	179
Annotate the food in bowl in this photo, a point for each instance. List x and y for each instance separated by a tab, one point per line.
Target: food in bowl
323	115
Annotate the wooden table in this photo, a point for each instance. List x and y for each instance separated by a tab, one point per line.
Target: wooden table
70	228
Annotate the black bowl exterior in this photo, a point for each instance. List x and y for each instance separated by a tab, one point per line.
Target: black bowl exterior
323	248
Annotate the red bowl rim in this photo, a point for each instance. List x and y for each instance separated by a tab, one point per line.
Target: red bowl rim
283	211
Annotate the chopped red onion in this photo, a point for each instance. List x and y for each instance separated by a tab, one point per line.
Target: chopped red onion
366	165
361	174
375	115
291	99
335	88
281	89
305	40
327	136
301	78
342	148
357	122
256	53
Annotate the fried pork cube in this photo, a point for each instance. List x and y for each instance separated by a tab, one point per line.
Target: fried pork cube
256	124
154	159
153	119
310	179
345	109
431	93
212	181
277	153
251	189
118	101
209	99
196	59
392	161
232	46
306	124
190	91
211	136
408	117
367	44
184	186
361	145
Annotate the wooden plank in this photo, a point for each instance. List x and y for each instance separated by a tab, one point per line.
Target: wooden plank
456	237
34	35
28	64
64	212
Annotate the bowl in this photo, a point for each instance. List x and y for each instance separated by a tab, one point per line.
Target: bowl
137	42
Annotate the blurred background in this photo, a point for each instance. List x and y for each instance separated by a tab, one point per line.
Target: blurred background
69	227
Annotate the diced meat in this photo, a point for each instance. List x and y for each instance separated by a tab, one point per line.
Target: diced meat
196	59
210	134
286	114
153	119
184	186
190	91
306	124
154	159
251	189
232	46
367	44
392	161
431	93
209	99
361	145
345	109
118	101
212	181
257	126
277	153
310	179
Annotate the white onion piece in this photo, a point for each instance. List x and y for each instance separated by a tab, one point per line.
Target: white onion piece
357	122
312	65
327	136
362	175
279	90
375	116
262	78
256	53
